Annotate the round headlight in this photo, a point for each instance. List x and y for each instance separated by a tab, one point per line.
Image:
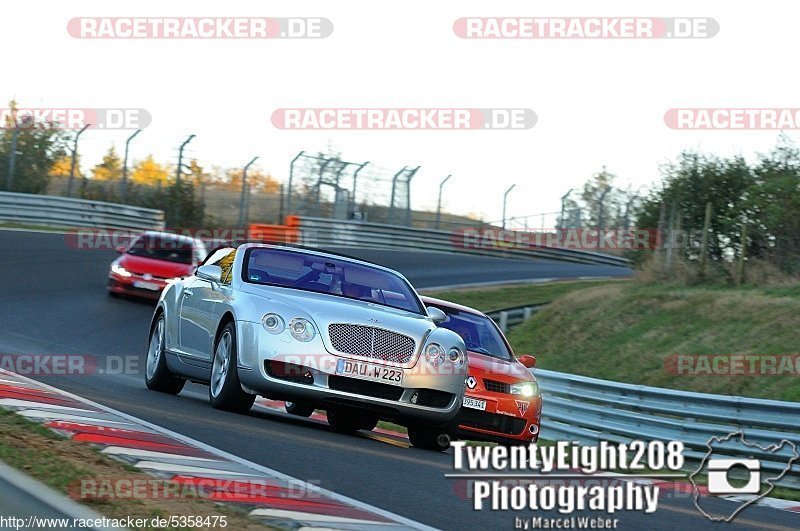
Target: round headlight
273	323
434	353
525	389
455	356
301	329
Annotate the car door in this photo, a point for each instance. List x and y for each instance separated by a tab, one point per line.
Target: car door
198	319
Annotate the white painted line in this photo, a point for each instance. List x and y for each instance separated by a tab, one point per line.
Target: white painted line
169	467
44	231
236	459
312	517
39	414
18	383
136	452
14	402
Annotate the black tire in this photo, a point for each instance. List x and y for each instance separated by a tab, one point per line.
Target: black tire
369	423
344	422
225	390
300	409
430	438
157	376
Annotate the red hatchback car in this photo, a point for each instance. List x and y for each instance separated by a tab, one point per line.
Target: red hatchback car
502	401
152	261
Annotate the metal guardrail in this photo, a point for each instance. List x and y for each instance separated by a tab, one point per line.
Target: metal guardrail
508	318
320	232
588	410
55	211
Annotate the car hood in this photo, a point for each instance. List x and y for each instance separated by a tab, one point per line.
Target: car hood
497	369
327	309
158	268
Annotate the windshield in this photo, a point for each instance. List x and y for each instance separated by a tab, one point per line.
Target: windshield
478	332
162	247
322	274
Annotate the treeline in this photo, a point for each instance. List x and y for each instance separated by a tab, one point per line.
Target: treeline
753	209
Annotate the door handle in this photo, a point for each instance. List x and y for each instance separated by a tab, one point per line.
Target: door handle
188	293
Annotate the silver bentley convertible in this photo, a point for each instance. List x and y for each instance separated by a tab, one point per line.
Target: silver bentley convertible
317	330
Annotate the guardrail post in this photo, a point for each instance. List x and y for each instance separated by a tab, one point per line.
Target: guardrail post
526	313
503	324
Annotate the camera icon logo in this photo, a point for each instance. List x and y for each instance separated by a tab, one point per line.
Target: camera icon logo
719	480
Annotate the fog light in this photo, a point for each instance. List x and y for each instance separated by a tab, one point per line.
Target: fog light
534	429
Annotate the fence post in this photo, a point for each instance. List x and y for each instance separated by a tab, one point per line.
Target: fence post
740	268
291	176
704	241
671	241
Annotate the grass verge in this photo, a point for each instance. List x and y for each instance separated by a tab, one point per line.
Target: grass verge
62	463
627	332
489	298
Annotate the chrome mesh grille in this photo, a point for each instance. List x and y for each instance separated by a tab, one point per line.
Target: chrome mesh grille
371	342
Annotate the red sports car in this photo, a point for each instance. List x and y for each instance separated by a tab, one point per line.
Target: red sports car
502	402
153	260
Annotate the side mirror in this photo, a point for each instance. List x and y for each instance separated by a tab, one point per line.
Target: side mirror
528	361
212	273
436	314
120	249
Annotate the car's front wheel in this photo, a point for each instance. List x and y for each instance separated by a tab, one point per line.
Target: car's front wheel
157	376
225	390
429	438
299	408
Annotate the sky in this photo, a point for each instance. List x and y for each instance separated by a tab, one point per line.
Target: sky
598	102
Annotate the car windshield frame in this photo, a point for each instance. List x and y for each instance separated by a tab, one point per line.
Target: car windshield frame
157	243
411	296
508	355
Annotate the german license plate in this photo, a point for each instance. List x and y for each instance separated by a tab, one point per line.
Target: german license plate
367	371
146	285
474	403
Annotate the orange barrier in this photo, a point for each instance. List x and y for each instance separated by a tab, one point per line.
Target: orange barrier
288	233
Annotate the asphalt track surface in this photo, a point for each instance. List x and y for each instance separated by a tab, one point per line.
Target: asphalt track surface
53	301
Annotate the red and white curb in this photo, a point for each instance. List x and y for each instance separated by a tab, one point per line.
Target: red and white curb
268	495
